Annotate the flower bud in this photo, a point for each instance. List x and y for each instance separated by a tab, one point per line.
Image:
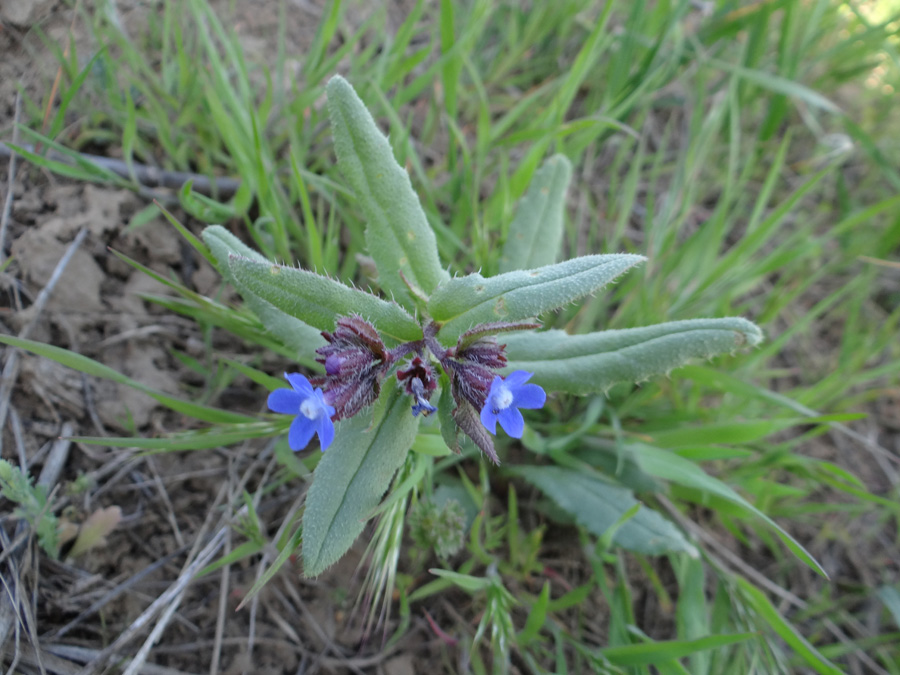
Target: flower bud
470	381
483	351
356	362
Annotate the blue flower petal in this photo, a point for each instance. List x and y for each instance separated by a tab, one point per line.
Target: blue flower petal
326	431
285	401
424	408
320	398
529	396
300	384
488	418
512	421
301	432
516	378
522	396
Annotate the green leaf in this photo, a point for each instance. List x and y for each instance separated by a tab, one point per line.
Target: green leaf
648	653
571	599
536	617
189	236
201	207
734	432
778	84
90	367
671	467
290	331
583	364
320	300
290	546
432	445
196	439
535	234
785	630
890	598
464	302
398	235
242	551
256	375
598	505
466	582
445	406
351	478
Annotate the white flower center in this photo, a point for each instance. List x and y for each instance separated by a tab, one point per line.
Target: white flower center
503	398
309	409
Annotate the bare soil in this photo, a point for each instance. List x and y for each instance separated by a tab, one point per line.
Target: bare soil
169	503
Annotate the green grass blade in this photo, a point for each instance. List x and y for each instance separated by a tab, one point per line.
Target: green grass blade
88	366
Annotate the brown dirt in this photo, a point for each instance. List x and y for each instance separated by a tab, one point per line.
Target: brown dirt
171	502
86	603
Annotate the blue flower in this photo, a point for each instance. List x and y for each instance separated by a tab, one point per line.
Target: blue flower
422	407
308	404
506	397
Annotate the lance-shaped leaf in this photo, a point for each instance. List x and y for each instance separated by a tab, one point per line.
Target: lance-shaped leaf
351	478
583	364
464	302
597	505
535	234
468	419
319	300
291	331
445	406
398	235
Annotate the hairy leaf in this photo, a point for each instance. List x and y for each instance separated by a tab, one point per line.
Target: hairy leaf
597	505
583	364
449	430
484	330
320	300
464	302
289	330
398	235
468	419
351	478
535	234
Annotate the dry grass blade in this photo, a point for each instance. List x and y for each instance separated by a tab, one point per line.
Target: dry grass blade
164	496
11	179
203	558
86	655
115	592
164	606
57	458
59	71
224	585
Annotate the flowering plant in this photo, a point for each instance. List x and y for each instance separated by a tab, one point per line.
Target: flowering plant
383	361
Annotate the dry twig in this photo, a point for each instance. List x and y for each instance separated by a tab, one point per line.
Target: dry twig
147	177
